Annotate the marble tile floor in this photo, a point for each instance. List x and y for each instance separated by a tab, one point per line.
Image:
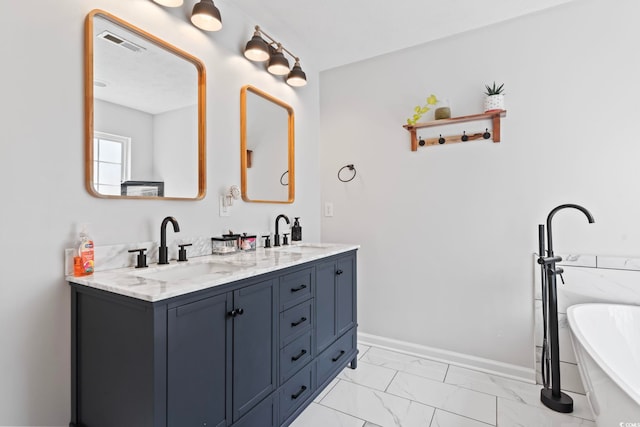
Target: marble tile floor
391	389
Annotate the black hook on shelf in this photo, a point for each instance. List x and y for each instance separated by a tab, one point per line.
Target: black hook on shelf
464	137
282	176
486	134
353	168
421	142
441	140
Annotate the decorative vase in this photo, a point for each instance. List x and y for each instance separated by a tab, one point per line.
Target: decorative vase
443	111
494	103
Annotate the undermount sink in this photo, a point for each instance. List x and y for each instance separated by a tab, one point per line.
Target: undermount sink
305	247
188	271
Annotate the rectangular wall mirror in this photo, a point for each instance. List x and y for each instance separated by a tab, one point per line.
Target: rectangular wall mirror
266	148
144	114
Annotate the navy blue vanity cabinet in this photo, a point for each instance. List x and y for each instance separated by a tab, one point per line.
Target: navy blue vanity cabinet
335	316
255	347
198	337
249	353
218	345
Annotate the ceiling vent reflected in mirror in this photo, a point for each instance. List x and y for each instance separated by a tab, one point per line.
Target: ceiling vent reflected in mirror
120	41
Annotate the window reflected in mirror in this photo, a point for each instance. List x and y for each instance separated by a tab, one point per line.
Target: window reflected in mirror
145	109
266	148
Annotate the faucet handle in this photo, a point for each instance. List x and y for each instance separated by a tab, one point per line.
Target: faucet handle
182	253
141	258
285	239
267	241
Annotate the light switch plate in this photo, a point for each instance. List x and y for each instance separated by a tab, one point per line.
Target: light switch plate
328	209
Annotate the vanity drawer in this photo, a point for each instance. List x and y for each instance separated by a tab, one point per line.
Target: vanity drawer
295	322
295	288
294	356
337	355
295	391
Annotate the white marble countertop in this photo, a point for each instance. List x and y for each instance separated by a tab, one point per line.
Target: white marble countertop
159	282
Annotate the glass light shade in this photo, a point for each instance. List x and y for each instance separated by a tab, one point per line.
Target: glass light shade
206	16
257	49
297	77
278	64
169	3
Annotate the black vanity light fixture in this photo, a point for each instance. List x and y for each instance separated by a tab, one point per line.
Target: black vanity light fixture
205	14
259	50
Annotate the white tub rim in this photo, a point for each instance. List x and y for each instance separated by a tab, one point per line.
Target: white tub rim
586	345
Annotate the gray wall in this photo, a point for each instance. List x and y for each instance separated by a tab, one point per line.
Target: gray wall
42	171
447	232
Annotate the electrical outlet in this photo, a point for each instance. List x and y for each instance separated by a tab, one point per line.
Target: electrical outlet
328	209
223	208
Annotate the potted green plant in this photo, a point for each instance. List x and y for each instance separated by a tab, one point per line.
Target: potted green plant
495	98
418	111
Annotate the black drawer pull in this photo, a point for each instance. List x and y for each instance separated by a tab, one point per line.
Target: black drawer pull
297	395
302	320
298	356
299	288
339	272
335	359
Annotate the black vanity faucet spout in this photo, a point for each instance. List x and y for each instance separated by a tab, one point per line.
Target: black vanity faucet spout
276	238
163	252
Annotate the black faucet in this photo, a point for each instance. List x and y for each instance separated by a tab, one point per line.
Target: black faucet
163	256
552	397
276	238
550	217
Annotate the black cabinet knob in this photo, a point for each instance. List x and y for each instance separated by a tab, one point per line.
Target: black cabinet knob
236	312
339	272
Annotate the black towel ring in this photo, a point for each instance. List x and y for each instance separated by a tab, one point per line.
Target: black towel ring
282	176
351	168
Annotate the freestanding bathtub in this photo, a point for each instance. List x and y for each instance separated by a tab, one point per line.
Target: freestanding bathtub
606	339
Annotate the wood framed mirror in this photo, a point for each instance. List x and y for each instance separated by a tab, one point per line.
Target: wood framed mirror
144	114
266	148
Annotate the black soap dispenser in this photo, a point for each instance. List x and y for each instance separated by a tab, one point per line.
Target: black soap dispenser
296	230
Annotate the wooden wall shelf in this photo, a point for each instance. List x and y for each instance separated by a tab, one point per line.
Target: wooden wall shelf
493	115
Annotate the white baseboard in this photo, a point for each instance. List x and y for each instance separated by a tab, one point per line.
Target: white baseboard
488	366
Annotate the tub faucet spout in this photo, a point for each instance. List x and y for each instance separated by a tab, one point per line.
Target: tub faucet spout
550	217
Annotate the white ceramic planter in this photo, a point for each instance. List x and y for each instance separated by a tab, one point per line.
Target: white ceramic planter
493	103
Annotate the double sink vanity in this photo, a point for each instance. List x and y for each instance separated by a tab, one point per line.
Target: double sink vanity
243	340
246	340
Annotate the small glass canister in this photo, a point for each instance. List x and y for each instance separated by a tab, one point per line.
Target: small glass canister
227	244
247	243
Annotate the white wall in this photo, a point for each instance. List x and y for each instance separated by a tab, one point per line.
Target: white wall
447	232
42	171
175	151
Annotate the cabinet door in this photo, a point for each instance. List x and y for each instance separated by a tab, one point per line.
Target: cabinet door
196	363
325	305
254	352
345	294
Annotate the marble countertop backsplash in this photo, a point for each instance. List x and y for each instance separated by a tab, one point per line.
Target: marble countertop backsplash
115	272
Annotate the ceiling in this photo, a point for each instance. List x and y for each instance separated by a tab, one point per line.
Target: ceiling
339	32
